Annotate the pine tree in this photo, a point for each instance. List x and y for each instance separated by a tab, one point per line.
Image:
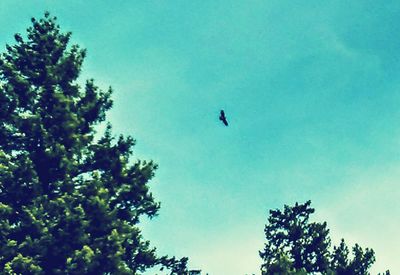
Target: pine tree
69	203
298	246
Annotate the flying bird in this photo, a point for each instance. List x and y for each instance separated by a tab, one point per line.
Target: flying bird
223	118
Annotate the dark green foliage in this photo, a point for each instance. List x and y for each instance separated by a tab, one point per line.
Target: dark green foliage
359	264
283	265
297	246
68	204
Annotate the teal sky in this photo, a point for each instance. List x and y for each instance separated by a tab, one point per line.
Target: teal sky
312	93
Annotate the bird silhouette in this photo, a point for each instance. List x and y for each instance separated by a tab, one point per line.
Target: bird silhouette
223	118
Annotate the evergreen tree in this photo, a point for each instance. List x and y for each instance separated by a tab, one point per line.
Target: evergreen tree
297	246
69	204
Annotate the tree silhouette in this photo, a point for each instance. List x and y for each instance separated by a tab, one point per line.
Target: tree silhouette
69	204
297	246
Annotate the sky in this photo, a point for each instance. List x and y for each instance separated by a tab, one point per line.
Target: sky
311	90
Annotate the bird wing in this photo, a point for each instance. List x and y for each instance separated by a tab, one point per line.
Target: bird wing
223	118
